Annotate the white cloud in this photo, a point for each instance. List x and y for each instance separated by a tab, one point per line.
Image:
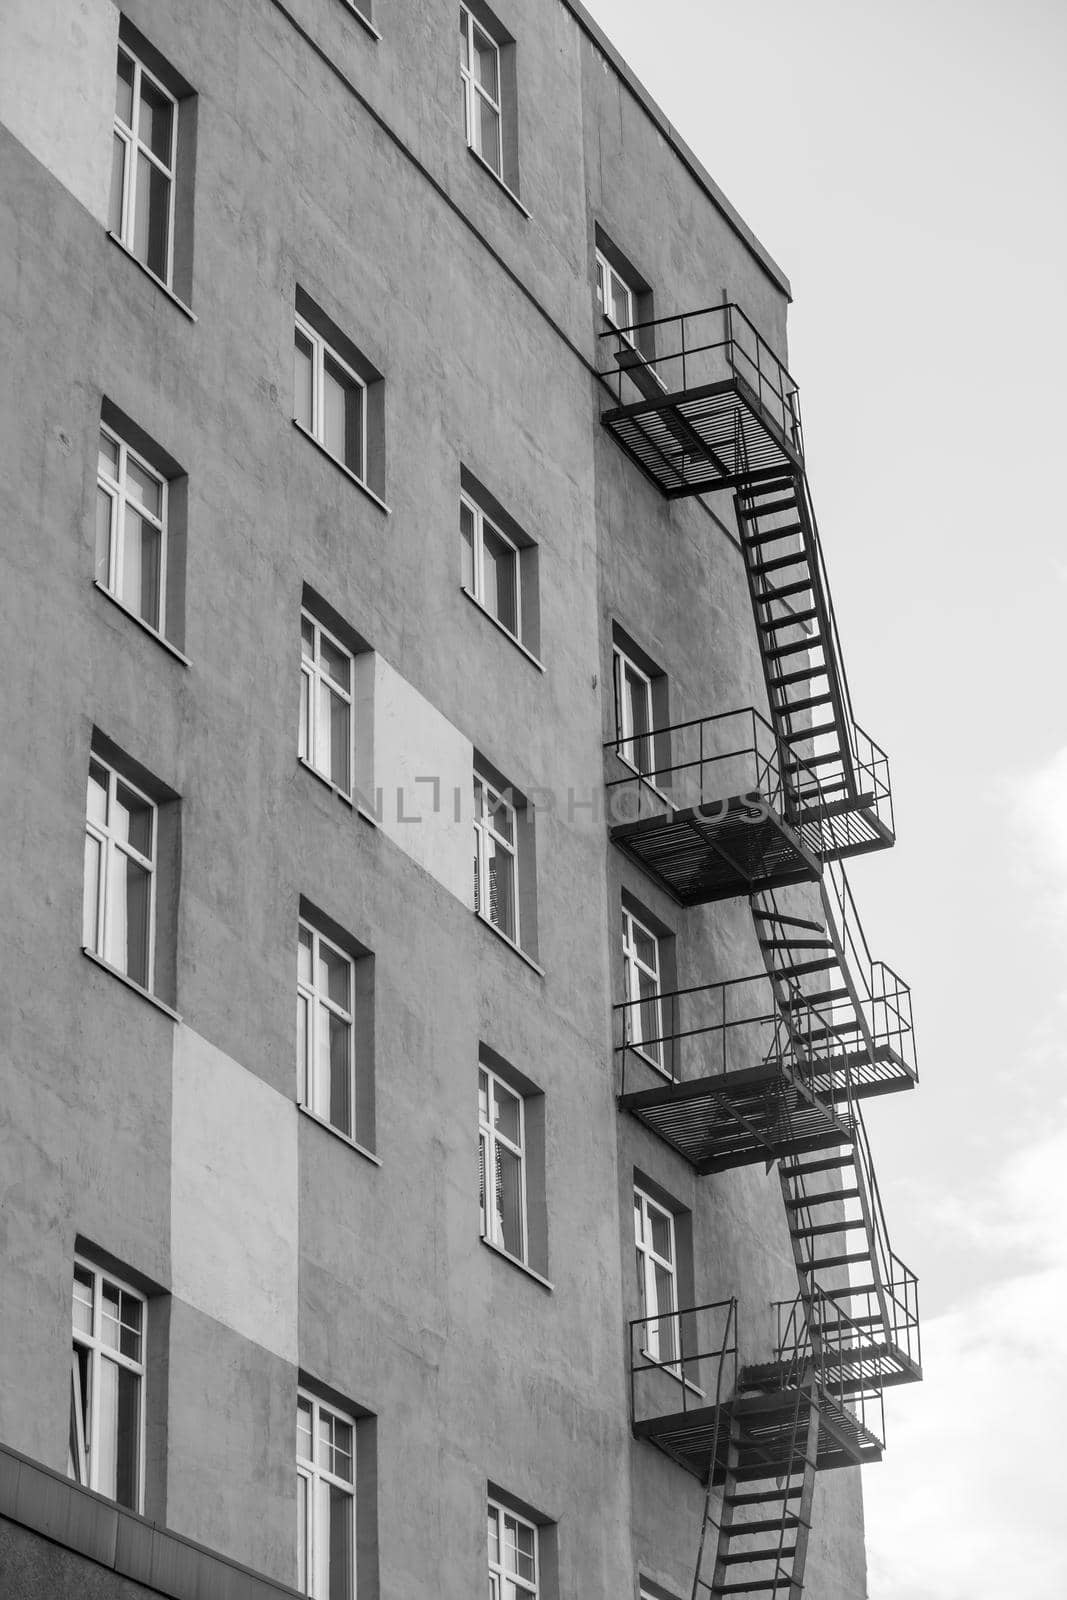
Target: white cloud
969	1498
1037	818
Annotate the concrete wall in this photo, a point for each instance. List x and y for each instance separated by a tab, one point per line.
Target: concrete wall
177	1148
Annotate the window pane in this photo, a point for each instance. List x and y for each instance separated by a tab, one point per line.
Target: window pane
108	456
660	1225
302	1533
501	579
83	1300
96	809
645	946
133	819
502	817
303	1429
464	42
124	90
486	62
621	304
302	380
665	1304
466	531
303	1042
304	733
303	957
157	120
338	713
507	1113
119	157
340	1460
340	1037
508	1195
650	1024
91	904
342	424
494	1536
307	639
77	1452
337	663
334	975
144	487
502	888
128	898
151	233
489	134
600	284
339	1537
142	563
105	511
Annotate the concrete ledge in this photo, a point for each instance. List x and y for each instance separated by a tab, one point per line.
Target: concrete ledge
44	1502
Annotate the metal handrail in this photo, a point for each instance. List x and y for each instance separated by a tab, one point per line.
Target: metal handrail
683	1323
816	1330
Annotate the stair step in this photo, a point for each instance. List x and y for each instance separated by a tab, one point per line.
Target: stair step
847	1260
812	1002
787	1522
823	1198
790	620
739	1559
758	1586
781	650
790	531
793	767
791	707
786	921
799	1169
816	1230
795	944
760	1497
801	969
804	586
814	732
814	670
769	508
777	562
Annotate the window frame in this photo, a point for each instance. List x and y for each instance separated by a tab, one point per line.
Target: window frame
472	89
312	1579
313	676
134	146
101	944
116	491
623	664
307	1072
321	348
484	831
647	1260
633	968
498	1573
488	1138
99	1351
482	519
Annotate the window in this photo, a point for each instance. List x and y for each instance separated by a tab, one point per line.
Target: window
496	893
325	1469
131	529
120	873
329	399
490	566
144	165
106	1446
513	1556
644	1010
634	717
325	1030
502	1163
616	300
479	66
657	1281
326	697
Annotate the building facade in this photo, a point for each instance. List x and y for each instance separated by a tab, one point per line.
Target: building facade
437	1025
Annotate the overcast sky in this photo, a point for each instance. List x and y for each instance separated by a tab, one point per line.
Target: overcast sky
905	164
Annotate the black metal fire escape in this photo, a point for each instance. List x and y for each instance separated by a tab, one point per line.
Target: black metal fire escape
771	1067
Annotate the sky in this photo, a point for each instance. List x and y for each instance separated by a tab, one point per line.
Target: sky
905	164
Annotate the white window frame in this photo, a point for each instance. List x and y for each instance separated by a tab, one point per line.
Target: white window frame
310	1001
608	277
133	147
489	1136
472	89
633	969
315	1481
486	799
117	492
502	1581
314	677
482	520
656	1346
627	740
102	930
86	1470
320	349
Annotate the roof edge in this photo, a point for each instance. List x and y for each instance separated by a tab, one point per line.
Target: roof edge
678	144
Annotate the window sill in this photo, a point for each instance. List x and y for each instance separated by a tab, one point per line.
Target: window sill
349	474
182	307
360	18
327	783
153	1000
499	626
498	1250
493	929
353	1144
498	180
141	623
